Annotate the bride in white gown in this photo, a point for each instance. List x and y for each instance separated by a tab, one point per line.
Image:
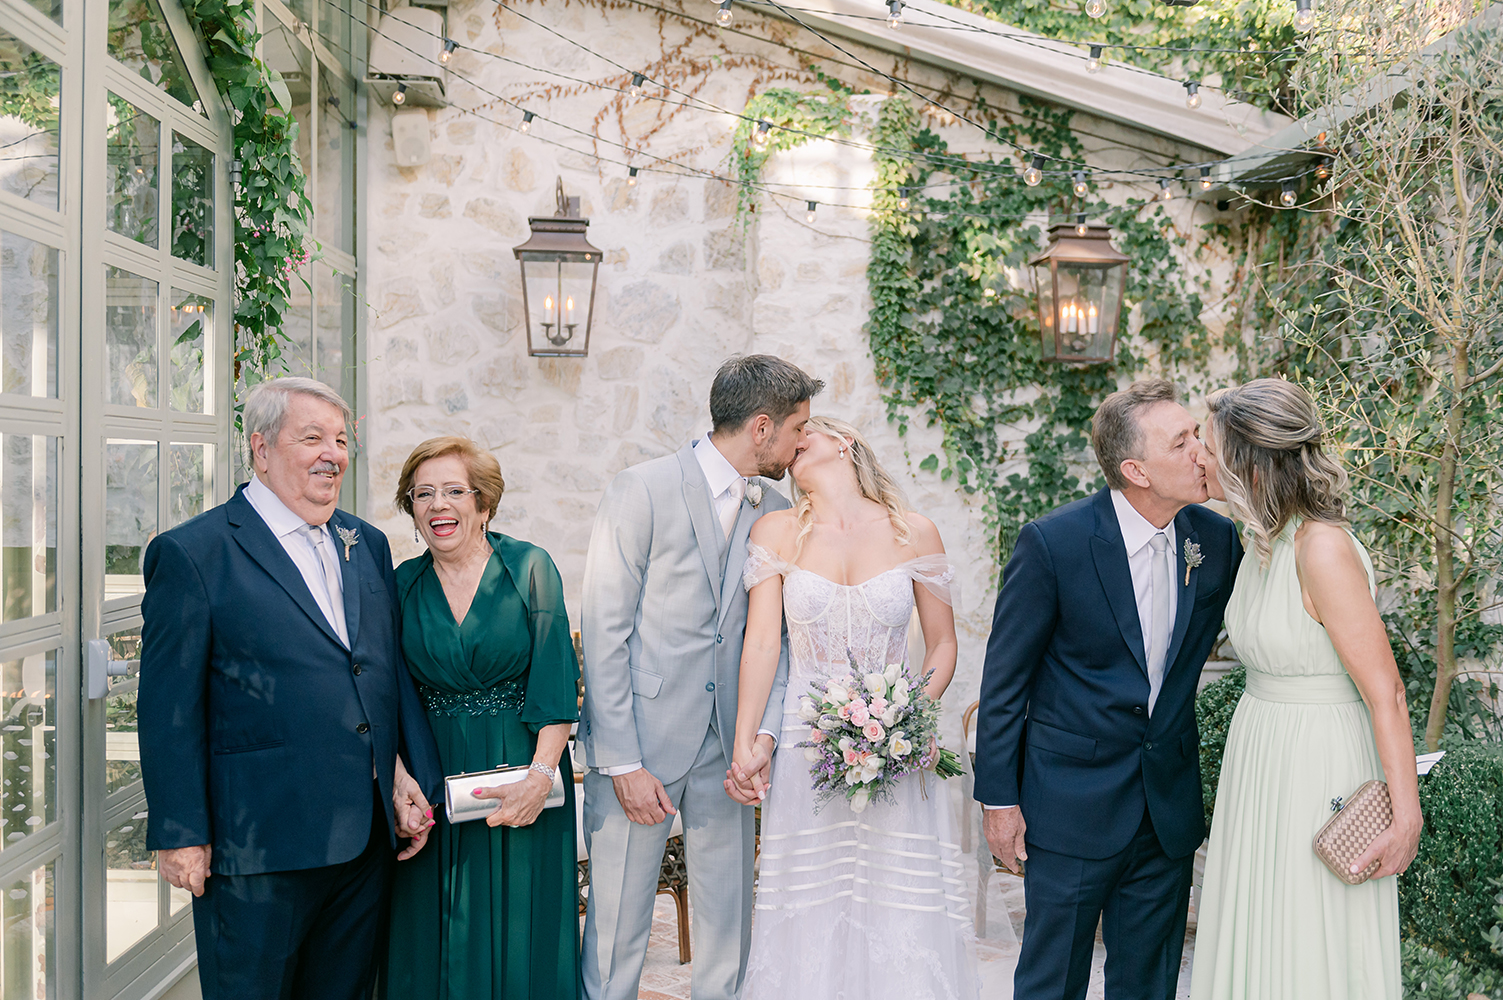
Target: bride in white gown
849	906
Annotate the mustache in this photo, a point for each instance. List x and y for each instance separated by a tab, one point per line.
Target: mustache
319	467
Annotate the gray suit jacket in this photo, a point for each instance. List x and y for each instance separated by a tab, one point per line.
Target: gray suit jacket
664	618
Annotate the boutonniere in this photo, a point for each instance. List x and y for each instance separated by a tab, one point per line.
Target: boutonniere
1192	558
754	494
350	537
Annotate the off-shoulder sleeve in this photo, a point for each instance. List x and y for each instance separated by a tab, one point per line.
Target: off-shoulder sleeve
937	575
762	564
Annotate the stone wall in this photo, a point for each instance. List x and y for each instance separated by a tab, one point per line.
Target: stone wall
684	284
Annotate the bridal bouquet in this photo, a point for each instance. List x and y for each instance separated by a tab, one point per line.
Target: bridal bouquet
867	730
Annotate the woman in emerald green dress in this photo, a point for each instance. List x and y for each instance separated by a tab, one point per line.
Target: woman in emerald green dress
486	909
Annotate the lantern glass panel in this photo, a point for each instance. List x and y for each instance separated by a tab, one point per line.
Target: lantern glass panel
1087	309
1043	280
558	296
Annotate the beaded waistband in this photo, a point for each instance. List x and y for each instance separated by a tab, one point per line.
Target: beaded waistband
507	695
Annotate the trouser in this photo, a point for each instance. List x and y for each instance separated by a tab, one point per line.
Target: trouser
625	859
313	934
1139	896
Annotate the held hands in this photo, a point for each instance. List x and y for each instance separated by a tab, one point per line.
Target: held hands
414	816
1396	845
1004	835
521	801
186	867
750	774
643	797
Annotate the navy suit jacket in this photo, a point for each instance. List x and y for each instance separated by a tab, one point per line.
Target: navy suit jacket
259	730
1066	675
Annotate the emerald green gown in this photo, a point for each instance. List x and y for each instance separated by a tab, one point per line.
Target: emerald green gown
486	911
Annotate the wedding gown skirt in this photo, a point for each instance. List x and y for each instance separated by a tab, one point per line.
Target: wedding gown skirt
855	906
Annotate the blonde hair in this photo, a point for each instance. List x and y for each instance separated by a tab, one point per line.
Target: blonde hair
481	466
1270	459
871	478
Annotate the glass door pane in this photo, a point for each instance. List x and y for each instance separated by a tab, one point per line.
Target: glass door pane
28	940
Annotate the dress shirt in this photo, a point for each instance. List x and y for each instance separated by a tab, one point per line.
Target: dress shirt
1137	532
288	529
721	477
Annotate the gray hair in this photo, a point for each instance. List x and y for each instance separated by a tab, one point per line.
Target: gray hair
266	404
1116	435
750	384
1270	460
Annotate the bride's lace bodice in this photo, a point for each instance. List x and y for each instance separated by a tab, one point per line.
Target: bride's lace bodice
825	619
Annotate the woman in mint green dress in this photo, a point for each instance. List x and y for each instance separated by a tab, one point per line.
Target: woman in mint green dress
1324	711
486	909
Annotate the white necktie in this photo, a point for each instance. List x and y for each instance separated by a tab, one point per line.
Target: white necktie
1161	586
732	507
333	580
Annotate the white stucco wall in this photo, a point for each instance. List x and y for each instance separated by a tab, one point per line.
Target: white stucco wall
684	285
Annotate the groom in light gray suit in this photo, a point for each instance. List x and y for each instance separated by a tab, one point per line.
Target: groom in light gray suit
664	617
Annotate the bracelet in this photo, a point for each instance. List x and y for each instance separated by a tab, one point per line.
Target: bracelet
543	769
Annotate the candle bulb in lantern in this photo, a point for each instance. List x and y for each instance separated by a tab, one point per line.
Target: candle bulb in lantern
1093	321
547	309
569	310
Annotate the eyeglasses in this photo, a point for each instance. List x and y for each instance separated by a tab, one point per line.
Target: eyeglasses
423	495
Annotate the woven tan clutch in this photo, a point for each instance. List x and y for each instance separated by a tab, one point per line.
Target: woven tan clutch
1366	813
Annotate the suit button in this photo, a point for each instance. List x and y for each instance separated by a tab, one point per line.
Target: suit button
1136	709
357	670
363	728
710	686
720	638
1147	746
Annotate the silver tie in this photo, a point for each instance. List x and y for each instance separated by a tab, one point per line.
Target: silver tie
1161	585
732	507
329	575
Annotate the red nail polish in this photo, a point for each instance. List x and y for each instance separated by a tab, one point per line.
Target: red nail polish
475	792
429	813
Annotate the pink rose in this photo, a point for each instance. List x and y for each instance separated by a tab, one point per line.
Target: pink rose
817	735
873	730
878	706
859	714
850	758
844	711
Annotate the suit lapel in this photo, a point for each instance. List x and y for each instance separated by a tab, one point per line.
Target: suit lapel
252	535
1110	555
707	533
1185	531
349	567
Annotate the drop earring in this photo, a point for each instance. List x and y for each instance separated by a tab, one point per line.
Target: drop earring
484	526
415	536
842	451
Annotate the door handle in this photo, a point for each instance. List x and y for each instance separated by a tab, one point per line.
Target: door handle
101	668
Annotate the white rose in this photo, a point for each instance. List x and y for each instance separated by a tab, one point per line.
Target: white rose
875	683
754	494
807	710
860	800
811	754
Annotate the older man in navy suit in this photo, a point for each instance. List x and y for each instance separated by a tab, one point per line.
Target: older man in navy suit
283	746
1087	754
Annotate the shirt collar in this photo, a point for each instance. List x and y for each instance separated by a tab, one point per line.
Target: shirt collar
1137	530
277	515
719	472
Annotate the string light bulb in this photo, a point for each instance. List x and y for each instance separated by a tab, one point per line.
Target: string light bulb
1165	191
1095	8
526	126
637	79
1080	184
631	177
763	135
1192	94
1289	196
809	213
725	16
895	14
1323	169
1205	178
1035	172
400	97
448	53
1080	226
1304	15
903	199
1093	64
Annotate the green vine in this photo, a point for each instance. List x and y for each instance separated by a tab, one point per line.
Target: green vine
797	116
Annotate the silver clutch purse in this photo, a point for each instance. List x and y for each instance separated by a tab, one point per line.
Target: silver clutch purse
459	791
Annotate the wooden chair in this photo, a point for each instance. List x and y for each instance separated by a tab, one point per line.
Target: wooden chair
673	876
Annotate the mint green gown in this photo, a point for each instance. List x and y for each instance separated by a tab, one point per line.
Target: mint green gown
480	911
1273	922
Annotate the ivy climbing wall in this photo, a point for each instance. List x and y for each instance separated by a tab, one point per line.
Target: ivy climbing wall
919	321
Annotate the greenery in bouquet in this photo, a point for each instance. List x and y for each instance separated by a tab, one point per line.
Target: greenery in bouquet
868	729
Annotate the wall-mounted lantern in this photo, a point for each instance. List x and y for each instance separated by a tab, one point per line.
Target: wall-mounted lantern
558	288
1080	280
